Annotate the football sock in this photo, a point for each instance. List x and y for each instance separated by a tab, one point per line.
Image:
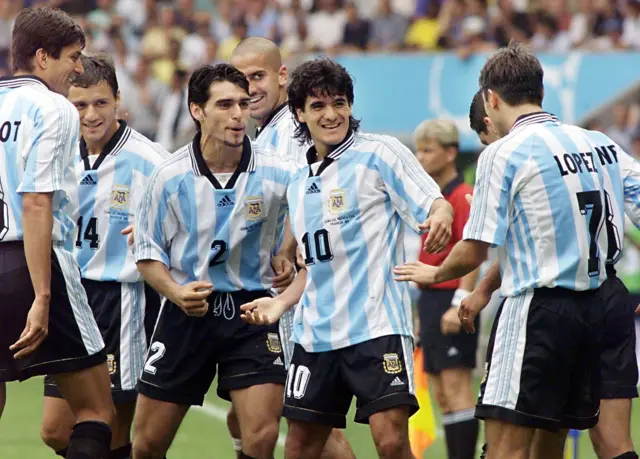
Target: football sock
89	440
124	452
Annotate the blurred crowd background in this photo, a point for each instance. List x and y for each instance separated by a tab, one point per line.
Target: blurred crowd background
155	43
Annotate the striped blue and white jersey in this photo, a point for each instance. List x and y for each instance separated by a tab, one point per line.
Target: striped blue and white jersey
277	134
548	195
109	188
348	215
38	137
203	231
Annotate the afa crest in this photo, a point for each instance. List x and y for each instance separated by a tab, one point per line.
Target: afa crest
338	201
120	197
392	364
254	208
112	365
273	343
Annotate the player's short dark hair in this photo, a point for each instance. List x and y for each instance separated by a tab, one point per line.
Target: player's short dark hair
515	73
318	77
203	77
44	28
97	68
477	114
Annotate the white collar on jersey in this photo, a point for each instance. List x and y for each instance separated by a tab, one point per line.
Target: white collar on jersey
312	154
112	147
247	161
533	118
17	81
276	115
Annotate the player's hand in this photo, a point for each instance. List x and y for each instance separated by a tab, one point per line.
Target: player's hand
285	272
438	227
35	331
128	231
470	308
300	260
416	271
469	198
450	323
263	311
192	298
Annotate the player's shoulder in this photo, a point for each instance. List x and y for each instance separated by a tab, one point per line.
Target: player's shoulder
177	164
51	108
379	144
268	156
145	148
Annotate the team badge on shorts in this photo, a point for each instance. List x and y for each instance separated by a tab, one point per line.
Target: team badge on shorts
338	201
392	364
120	197
253	208
273	343
112	364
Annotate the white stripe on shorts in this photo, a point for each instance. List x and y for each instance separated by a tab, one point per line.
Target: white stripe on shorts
503	380
133	341
82	313
286	335
407	353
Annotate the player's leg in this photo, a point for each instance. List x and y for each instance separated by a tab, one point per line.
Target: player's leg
234	430
3	397
316	400
177	373
460	424
548	445
380	374
611	437
337	446
506	440
57	419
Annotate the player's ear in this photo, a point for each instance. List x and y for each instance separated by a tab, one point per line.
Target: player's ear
283	75
300	115
196	111
492	98
117	96
41	59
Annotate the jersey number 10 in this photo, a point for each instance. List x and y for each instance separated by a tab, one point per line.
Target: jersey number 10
320	243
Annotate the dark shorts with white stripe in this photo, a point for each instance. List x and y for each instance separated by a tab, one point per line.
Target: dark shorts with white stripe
543	360
126	314
73	341
321	385
618	349
186	352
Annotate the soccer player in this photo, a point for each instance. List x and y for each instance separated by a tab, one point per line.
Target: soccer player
260	60
203	239
46	325
112	171
611	437
449	355
480	122
543	193
353	326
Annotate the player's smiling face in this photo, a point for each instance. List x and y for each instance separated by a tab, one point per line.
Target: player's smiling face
224	117
327	118
97	107
59	72
265	82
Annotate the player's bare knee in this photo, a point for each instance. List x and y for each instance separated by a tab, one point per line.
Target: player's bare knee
260	438
55	435
148	447
390	444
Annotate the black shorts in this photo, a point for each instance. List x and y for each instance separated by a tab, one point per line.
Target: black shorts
126	314
321	385
543	360
73	342
186	351
440	351
618	349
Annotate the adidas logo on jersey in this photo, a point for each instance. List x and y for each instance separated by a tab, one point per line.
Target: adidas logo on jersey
397	382
278	361
313	189
225	202
88	180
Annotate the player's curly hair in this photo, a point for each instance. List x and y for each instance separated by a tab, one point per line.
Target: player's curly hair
318	77
203	77
477	114
515	73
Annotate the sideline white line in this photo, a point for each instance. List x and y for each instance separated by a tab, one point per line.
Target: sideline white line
221	414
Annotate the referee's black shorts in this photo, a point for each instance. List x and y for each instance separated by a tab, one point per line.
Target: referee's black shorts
73	342
544	359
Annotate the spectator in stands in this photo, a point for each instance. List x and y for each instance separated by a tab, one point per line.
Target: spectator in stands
510	24
292	27
193	51
548	36
326	25
239	32
175	125
262	20
631	25
427	33
621	131
221	27
474	31
388	29
356	31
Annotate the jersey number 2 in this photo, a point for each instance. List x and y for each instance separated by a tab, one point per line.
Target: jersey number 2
322	246
590	200
88	233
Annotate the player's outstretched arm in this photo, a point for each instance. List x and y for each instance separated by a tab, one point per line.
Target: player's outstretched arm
267	311
191	298
438	226
37	221
479	298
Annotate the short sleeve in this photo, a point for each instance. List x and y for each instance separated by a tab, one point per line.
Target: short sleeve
630	169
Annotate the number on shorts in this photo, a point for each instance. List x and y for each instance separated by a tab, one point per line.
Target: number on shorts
156	352
297	381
